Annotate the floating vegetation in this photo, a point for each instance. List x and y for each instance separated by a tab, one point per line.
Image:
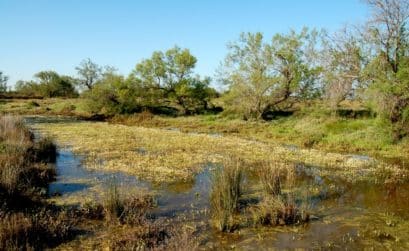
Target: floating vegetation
173	155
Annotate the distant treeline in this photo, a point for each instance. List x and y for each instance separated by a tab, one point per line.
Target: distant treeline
368	63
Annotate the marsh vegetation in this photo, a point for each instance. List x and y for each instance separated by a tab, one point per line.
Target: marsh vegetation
305	147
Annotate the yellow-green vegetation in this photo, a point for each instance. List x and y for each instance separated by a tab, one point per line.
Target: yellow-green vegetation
50	106
307	128
226	191
169	155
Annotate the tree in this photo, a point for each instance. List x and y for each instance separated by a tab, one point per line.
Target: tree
194	95
167	77
48	84
3	82
343	59
165	70
114	94
89	73
53	85
388	70
261	77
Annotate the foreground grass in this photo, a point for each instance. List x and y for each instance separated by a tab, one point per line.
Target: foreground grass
26	222
161	155
30	222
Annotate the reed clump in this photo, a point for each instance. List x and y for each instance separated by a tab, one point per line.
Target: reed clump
225	193
278	207
131	210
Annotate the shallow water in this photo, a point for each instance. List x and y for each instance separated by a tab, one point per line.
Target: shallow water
75	182
347	215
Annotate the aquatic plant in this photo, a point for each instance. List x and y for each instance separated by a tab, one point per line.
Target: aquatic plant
277	207
131	209
225	193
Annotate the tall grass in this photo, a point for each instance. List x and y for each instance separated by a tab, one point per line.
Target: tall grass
277	207
15	142
125	209
20	157
225	193
22	231
24	224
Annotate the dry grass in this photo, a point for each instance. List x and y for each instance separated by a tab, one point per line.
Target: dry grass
273	174
20	158
119	208
26	231
168	155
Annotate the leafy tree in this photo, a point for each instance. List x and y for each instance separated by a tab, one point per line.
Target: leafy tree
28	88
167	77
89	73
343	58
263	76
194	95
114	94
48	84
388	70
53	85
3	82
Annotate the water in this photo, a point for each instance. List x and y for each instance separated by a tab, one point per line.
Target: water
75	182
352	216
72	177
342	211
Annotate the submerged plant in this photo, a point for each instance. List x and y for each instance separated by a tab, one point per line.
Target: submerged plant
225	193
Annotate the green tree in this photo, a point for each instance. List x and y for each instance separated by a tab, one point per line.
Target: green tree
343	59
89	73
167	77
264	76
53	85
28	88
49	84
388	70
114	94
3	82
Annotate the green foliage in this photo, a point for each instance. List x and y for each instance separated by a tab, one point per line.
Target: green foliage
387	73
167	77
225	193
3	82
49	84
263	76
113	94
89	73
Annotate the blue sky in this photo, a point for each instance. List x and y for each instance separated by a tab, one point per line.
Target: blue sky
57	35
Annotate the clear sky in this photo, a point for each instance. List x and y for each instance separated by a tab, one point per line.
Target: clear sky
56	35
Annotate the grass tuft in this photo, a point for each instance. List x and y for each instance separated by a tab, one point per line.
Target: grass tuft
225	193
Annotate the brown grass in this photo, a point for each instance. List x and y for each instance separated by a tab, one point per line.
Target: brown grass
126	209
22	231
